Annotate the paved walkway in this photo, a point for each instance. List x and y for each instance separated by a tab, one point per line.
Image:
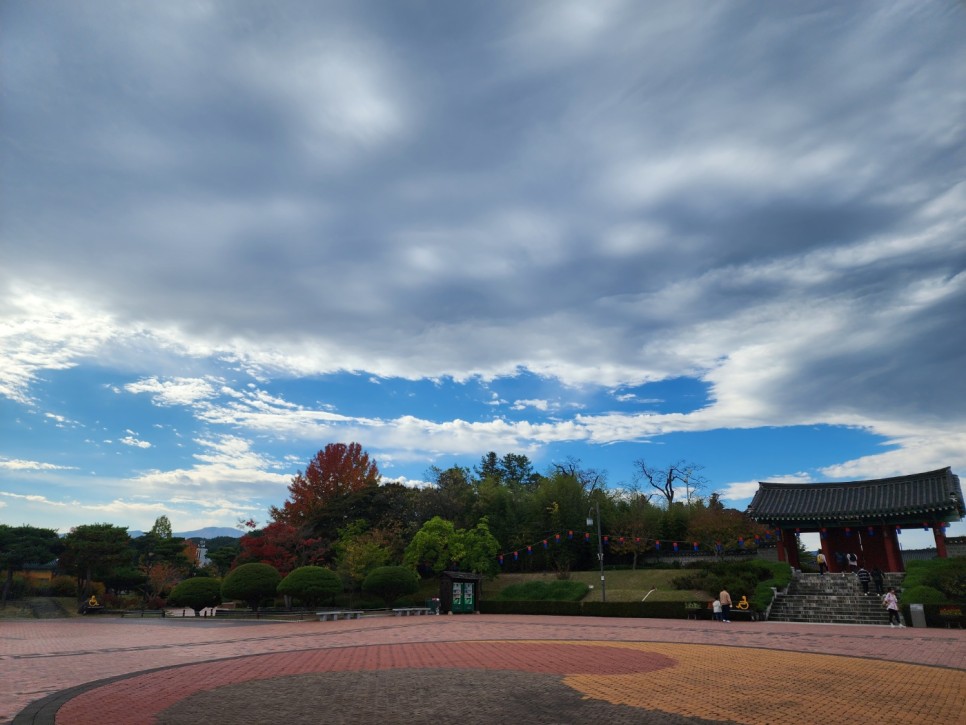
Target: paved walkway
476	669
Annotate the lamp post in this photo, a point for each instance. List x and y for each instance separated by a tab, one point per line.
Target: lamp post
600	552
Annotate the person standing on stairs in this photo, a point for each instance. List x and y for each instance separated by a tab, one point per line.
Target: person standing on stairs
864	578
879	578
892	606
822	563
853	561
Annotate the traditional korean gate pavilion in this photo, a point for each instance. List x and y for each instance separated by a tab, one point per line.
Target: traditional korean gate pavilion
860	517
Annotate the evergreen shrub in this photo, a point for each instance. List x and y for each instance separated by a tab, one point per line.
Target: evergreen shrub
252	583
311	585
196	593
391	582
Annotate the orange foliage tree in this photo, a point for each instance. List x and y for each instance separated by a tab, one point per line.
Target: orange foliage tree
333	473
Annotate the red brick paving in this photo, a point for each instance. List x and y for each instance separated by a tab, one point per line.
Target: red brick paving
43	658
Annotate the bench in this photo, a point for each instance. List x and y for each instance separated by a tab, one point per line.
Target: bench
410	611
143	613
343	614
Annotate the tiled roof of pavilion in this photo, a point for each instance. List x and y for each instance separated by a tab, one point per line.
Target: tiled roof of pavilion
932	496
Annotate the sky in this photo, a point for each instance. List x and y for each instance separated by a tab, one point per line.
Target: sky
234	232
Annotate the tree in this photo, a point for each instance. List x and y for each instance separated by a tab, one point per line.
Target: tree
24	545
668	480
334	472
435	546
640	522
283	546
93	550
223	557
518	469
197	593
162	527
310	585
251	583
360	551
125	578
590	479
480	550
391	582
717	525
452	497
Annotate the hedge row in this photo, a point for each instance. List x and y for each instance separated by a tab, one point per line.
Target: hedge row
651	610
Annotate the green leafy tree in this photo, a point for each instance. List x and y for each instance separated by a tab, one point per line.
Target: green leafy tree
251	583
223	557
125	578
311	585
197	593
93	551
162	527
391	582
435	546
360	551
480	550
452	497
22	545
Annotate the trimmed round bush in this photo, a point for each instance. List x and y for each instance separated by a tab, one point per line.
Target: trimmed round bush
251	583
196	593
311	585
391	582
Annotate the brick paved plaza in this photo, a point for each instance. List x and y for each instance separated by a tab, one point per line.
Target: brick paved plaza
476	669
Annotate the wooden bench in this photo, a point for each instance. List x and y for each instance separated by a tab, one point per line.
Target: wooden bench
410	611
342	614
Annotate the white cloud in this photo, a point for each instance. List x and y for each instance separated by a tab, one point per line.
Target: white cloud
15	464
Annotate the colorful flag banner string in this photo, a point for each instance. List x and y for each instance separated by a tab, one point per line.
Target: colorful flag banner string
641	543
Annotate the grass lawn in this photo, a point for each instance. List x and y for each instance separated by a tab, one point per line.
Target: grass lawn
622	586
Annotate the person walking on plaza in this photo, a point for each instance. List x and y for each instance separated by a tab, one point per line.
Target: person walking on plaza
864	578
822	563
853	561
725	600
716	610
892	606
879	578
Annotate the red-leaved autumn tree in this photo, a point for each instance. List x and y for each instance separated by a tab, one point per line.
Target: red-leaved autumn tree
334	472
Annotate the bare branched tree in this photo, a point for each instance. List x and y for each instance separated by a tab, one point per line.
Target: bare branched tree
669	480
590	479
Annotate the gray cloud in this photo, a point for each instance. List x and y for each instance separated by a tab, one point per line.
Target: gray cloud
769	197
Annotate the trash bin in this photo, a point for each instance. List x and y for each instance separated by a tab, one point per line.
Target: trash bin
433	605
918	614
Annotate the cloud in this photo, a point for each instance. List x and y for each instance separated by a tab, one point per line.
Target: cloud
766	201
14	464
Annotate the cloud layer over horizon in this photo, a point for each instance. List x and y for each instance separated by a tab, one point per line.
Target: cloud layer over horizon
219	215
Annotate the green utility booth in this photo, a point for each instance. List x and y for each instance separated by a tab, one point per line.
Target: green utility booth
459	592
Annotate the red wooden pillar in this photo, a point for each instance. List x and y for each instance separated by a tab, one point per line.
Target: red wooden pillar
893	557
790	545
937	532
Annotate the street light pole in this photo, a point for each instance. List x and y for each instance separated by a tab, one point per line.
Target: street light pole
600	554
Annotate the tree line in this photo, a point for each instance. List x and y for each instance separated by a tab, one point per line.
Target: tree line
341	515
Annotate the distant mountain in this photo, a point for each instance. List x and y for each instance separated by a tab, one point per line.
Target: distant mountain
209	532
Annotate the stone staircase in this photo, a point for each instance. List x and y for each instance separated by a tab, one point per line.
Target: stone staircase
831	599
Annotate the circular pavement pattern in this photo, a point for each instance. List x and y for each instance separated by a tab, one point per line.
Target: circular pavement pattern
532	680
